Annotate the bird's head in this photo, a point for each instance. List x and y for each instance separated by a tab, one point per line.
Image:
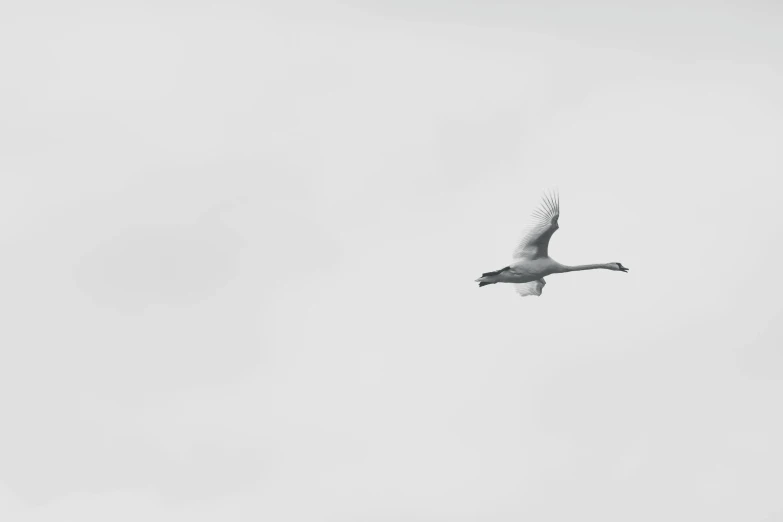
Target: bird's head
619	267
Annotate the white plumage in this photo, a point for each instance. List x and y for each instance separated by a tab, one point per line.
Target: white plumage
531	261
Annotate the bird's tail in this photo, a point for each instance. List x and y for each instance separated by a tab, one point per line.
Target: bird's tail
485	280
490	278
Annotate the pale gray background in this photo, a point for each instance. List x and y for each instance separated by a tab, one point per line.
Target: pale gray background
239	244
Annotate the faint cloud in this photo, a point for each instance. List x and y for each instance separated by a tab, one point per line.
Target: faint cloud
174	265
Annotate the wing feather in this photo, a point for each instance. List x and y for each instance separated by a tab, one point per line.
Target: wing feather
535	241
531	288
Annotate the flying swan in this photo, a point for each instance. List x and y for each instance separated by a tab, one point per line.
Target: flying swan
531	261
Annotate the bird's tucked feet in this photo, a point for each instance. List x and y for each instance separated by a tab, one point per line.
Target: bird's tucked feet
496	272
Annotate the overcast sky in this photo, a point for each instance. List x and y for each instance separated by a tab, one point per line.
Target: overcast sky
239	245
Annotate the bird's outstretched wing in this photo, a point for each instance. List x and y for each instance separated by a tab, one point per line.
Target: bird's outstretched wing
535	241
531	288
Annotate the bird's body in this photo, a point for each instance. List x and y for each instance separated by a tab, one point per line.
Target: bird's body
524	271
531	261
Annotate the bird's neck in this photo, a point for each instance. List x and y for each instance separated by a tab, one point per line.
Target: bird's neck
577	268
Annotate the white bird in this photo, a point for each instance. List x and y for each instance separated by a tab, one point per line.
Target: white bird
531	261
